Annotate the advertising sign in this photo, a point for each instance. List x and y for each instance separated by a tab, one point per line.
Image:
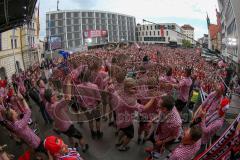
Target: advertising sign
95	33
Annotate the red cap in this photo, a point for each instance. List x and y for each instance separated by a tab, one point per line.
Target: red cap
53	144
224	106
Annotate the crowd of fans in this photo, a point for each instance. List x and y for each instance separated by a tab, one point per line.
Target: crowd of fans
101	85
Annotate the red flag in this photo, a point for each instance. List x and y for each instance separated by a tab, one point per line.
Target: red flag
162	31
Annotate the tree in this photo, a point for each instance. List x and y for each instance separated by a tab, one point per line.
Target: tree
186	43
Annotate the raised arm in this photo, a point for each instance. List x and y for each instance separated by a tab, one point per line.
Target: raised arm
149	104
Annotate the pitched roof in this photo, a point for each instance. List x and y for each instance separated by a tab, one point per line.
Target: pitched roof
187	27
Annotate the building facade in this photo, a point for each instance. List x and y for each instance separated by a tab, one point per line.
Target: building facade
230	24
21	46
188	30
161	33
71	26
203	41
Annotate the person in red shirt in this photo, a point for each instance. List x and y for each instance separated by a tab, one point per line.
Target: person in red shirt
125	102
168	127
58	150
90	100
63	122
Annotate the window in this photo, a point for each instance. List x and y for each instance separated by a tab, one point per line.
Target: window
77	35
154	33
68	15
90	14
69	29
12	43
69	36
146	33
97	15
77	43
98	27
158	33
84	14
75	21
90	27
60	23
167	33
60	15
159	39
147	27
103	15
29	40
76	28
69	21
32	40
150	33
157	26
75	14
60	30
52	17
15	43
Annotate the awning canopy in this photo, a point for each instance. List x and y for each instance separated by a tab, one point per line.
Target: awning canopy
15	13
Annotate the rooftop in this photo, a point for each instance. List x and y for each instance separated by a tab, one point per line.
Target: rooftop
63	11
187	27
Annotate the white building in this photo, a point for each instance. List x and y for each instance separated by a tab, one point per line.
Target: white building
161	33
188	31
73	27
230	22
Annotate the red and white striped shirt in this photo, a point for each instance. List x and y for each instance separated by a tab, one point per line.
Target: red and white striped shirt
185	152
71	155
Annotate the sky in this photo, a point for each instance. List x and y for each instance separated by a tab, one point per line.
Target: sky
193	12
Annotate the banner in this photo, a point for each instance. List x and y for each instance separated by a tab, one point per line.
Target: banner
162	31
95	33
225	145
55	42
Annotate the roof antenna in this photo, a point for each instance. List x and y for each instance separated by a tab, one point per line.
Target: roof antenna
58	5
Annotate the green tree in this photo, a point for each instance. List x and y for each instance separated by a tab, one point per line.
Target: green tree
186	43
